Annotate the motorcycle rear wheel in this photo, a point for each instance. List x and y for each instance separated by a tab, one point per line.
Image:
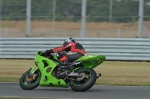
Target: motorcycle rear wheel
86	83
31	83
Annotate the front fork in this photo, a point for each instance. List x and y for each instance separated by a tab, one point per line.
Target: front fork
33	69
32	76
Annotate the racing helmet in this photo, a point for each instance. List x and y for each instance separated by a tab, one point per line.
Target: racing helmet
69	40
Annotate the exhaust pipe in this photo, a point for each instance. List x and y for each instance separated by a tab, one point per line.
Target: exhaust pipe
98	75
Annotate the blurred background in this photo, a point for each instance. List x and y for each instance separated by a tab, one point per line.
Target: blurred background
75	18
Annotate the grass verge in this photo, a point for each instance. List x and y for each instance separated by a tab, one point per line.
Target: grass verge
113	72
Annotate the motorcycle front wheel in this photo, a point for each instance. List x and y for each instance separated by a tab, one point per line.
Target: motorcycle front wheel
28	81
86	80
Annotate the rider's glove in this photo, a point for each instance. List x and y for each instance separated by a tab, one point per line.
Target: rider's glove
48	53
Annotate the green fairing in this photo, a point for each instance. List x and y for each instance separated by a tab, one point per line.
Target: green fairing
47	79
91	61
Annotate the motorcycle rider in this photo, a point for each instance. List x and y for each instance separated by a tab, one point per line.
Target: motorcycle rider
73	49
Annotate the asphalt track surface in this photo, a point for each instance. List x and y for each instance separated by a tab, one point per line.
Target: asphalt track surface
96	92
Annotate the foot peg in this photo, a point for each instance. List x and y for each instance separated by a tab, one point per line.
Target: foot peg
98	75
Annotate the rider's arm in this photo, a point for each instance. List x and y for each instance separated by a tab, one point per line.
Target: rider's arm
57	49
61	48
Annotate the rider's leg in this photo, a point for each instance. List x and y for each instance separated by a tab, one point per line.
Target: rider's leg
71	58
68	64
68	59
63	58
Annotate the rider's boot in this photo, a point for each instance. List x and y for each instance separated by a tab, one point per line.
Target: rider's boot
66	68
68	65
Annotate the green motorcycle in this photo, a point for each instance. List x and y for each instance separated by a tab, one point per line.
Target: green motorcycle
49	72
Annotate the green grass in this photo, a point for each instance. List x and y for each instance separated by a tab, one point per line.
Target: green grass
113	72
9	79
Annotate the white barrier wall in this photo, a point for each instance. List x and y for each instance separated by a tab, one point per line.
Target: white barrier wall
112	48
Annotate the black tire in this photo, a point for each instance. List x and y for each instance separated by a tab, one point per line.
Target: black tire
88	84
31	85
